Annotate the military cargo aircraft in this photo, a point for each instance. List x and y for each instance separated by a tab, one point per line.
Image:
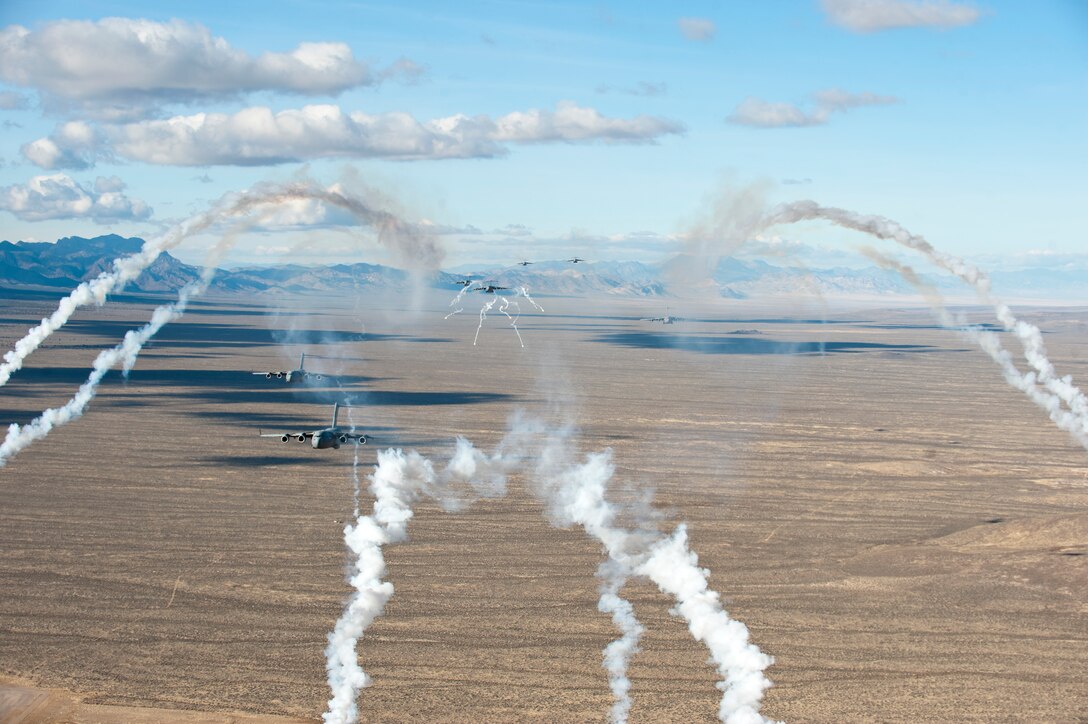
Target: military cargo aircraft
333	436
489	289
664	320
299	375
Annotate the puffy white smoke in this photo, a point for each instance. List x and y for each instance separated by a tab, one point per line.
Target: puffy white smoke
396	483
575	494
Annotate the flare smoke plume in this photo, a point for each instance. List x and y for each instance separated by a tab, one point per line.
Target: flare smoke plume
21	436
1063	401
575	494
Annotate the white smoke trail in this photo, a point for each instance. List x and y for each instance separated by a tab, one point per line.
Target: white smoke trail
483	315
513	320
575	494
396	483
355	487
990	343
525	293
1074	419
674	567
413	243
19	437
617	654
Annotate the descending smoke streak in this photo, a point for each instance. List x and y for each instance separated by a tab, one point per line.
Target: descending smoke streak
990	343
483	315
513	320
456	311
618	653
19	437
674	567
575	494
413	243
396	483
354	466
525	293
1075	419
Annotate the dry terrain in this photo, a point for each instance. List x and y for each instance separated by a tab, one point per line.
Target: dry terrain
902	531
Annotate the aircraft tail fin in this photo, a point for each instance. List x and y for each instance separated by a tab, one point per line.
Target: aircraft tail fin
335	412
302	361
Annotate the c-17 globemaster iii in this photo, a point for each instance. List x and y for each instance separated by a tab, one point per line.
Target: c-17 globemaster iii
333	436
667	319
298	375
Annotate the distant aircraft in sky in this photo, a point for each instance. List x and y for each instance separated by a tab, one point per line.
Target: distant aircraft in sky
298	375
524	263
465	282
575	260
333	436
489	289
667	319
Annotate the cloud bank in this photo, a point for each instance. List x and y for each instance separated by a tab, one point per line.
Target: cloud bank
257	136
121	67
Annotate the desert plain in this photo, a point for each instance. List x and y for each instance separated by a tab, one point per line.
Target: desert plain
902	531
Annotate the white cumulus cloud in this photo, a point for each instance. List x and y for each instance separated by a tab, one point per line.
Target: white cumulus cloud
258	136
118	67
58	196
870	16
759	113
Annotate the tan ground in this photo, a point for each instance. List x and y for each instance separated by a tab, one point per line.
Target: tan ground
904	533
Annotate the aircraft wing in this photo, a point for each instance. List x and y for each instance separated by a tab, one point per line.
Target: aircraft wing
270	373
306	435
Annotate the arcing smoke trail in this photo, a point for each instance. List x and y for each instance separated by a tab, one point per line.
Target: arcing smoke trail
396	484
412	242
1074	419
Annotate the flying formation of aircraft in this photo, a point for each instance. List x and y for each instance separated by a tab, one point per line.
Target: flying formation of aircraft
667	319
488	289
333	436
298	375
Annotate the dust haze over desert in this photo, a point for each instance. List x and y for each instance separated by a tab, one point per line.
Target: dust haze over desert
540	361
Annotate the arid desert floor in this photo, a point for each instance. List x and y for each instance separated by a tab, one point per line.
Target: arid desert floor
902	531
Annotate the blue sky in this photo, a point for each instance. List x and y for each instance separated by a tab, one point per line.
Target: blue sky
968	126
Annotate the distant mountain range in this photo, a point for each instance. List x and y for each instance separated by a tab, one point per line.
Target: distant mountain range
64	264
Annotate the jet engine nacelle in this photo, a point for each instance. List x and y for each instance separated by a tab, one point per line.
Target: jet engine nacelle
285	438
302	438
343	438
269	375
